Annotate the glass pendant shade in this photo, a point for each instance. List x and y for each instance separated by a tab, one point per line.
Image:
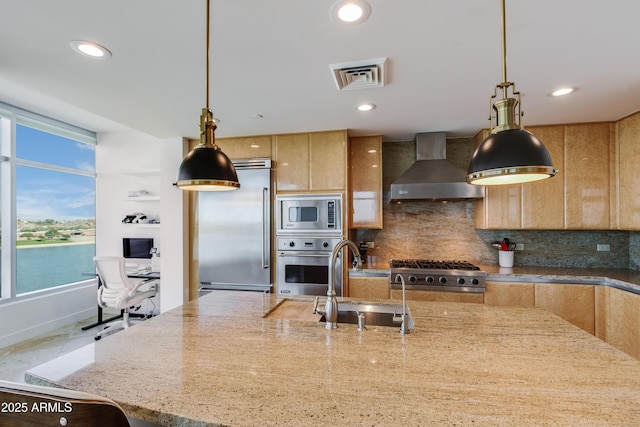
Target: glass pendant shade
509	157
207	169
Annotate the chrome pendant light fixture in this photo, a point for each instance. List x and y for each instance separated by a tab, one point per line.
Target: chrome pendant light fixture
510	154
206	167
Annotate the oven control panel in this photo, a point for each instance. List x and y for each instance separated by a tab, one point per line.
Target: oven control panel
317	244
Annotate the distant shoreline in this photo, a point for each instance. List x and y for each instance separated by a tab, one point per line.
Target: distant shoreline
50	245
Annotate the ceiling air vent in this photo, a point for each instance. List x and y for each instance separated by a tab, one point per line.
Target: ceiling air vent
365	74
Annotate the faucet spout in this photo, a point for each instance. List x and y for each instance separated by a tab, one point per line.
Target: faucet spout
404	327
331	306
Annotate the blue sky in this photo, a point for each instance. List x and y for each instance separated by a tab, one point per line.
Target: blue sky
43	194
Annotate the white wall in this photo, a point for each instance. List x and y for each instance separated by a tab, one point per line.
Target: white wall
130	161
28	317
118	154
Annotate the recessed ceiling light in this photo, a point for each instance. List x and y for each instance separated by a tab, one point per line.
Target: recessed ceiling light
366	107
563	91
90	49
351	11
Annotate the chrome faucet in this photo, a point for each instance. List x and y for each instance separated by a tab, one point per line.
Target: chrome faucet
404	327
330	310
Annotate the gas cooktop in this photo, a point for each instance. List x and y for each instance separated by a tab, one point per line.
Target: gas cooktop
437	275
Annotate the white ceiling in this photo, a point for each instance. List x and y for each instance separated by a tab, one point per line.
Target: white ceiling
272	58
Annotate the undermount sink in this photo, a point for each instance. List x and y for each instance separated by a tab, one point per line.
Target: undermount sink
376	314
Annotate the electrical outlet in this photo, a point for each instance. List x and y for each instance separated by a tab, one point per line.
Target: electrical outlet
603	247
519	246
371	245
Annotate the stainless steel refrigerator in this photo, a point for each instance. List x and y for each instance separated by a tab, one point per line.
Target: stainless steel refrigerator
234	232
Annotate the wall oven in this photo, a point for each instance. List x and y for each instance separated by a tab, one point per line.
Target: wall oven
309	214
302	265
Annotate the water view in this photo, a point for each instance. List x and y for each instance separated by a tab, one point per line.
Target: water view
46	266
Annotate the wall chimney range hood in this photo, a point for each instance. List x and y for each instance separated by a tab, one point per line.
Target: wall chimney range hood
432	177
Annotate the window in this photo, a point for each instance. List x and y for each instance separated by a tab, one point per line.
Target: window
48	203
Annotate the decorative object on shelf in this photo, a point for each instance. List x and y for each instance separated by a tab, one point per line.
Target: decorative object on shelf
206	167
510	154
138	193
136	218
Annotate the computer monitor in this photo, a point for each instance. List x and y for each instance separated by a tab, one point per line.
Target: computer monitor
137	247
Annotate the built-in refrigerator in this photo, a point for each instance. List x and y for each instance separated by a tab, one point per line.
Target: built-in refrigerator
234	232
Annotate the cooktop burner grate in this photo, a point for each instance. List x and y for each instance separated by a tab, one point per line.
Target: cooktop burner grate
433	264
438	275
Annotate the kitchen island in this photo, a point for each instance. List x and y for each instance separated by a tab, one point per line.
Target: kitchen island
219	361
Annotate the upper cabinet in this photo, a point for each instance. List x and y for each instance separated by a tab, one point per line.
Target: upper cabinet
543	201
311	162
587	177
365	179
578	197
628	167
246	147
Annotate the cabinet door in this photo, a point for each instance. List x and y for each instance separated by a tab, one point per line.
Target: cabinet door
365	175
501	207
510	294
246	147
439	296
624	321
628	165
573	303
292	162
586	166
369	287
543	201
328	160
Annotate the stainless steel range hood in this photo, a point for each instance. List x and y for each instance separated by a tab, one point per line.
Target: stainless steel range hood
432	177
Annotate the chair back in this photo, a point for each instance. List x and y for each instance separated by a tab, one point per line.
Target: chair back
115	283
34	406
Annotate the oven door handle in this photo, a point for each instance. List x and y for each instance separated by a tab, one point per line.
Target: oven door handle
302	254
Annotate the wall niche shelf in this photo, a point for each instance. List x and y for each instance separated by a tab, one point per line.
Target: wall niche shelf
143	172
143	198
146	225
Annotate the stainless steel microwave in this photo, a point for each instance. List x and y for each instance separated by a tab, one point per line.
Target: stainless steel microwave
309	213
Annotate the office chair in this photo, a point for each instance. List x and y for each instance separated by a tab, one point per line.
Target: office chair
26	405
118	291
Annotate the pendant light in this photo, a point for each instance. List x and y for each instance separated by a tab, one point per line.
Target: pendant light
206	167
510	154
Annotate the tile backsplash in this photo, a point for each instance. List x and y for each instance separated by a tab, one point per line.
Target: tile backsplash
445	230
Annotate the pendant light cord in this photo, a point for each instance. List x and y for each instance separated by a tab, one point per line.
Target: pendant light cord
207	52
505	83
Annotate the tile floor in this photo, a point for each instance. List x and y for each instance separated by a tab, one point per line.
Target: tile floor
18	358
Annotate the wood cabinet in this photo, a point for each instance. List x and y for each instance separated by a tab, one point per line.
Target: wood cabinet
578	197
618	319
586	176
510	294
440	296
369	287
572	302
246	147
501	207
543	201
628	168
292	162
365	178
311	162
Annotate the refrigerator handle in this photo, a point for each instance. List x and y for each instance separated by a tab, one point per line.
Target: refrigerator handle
265	228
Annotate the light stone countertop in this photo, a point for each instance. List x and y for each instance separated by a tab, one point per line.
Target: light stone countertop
628	280
218	361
